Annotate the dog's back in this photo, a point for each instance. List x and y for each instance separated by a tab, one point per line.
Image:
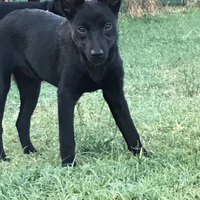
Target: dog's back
22	39
7	7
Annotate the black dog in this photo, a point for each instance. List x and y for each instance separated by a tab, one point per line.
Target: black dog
51	6
77	55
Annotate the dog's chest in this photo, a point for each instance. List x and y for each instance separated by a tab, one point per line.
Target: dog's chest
87	84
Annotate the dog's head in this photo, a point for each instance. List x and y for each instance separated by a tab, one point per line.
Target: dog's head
93	26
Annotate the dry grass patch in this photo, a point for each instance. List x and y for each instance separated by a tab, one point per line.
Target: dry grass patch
138	8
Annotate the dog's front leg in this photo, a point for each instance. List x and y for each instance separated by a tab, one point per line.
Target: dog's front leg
119	108
66	103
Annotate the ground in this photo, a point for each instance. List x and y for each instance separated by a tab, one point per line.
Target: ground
162	81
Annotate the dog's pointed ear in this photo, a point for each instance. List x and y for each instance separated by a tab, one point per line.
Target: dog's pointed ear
69	7
113	4
54	6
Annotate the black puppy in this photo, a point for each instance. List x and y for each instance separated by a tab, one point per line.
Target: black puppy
77	55
51	6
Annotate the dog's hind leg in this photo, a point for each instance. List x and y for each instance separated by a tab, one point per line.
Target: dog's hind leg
29	90
4	88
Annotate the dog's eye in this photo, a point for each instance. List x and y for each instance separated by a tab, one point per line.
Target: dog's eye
107	26
82	29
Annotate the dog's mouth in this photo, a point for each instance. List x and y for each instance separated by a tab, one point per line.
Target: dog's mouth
93	61
96	61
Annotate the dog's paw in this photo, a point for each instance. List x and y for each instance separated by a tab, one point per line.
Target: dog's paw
4	158
73	164
7	159
30	149
139	150
2	155
69	162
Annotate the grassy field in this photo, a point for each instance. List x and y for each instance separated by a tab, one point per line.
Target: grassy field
162	85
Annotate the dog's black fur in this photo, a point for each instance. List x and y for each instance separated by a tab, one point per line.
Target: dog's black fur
51	6
77	55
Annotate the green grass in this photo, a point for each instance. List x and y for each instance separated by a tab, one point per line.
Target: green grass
162	85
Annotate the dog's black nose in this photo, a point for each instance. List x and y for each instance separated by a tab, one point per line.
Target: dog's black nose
97	53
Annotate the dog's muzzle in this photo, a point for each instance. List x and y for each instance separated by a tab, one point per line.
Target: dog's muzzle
97	57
